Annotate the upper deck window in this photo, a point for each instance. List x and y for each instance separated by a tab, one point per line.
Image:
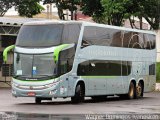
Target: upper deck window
47	35
102	36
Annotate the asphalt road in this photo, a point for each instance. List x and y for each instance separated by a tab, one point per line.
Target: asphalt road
147	105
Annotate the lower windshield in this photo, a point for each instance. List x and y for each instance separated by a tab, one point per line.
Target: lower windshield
33	67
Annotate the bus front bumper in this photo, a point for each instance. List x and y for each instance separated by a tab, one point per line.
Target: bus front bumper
46	91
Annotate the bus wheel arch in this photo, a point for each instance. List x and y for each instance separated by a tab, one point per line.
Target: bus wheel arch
79	92
140	89
132	90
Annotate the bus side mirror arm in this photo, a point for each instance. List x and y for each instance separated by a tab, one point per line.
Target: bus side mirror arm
5	52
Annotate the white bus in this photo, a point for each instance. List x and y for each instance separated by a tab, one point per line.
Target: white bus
80	59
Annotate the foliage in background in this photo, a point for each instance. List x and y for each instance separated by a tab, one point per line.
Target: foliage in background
28	8
94	9
114	12
5	5
152	13
158	72
62	5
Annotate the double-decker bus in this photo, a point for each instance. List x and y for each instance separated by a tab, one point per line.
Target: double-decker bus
60	59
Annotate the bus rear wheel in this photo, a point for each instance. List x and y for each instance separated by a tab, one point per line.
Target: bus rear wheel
132	91
139	90
79	94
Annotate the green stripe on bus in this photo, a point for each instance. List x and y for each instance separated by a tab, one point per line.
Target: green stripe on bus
5	52
57	51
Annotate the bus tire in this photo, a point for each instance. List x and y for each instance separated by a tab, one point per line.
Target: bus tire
132	91
139	90
79	94
38	100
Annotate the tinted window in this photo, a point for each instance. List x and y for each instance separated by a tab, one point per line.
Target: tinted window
48	35
111	37
149	41
152	69
126	68
100	36
40	35
104	68
131	40
71	33
66	60
138	40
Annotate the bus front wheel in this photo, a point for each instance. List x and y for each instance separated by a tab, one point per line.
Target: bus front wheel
79	94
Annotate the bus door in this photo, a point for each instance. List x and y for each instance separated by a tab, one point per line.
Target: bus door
96	78
114	78
63	68
91	72
126	68
65	65
63	77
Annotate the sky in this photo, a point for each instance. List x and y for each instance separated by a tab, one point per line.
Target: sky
13	12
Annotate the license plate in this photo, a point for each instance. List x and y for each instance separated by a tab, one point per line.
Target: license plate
31	93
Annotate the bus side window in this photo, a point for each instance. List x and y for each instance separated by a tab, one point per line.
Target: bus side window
85	43
83	69
66	58
152	69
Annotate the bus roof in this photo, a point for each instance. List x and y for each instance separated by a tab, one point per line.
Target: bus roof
84	23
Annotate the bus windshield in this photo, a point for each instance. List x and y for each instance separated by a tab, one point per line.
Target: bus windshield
47	35
36	67
40	35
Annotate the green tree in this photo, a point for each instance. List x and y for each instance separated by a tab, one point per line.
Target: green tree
115	11
62	5
28	8
152	13
94	9
5	5
148	9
